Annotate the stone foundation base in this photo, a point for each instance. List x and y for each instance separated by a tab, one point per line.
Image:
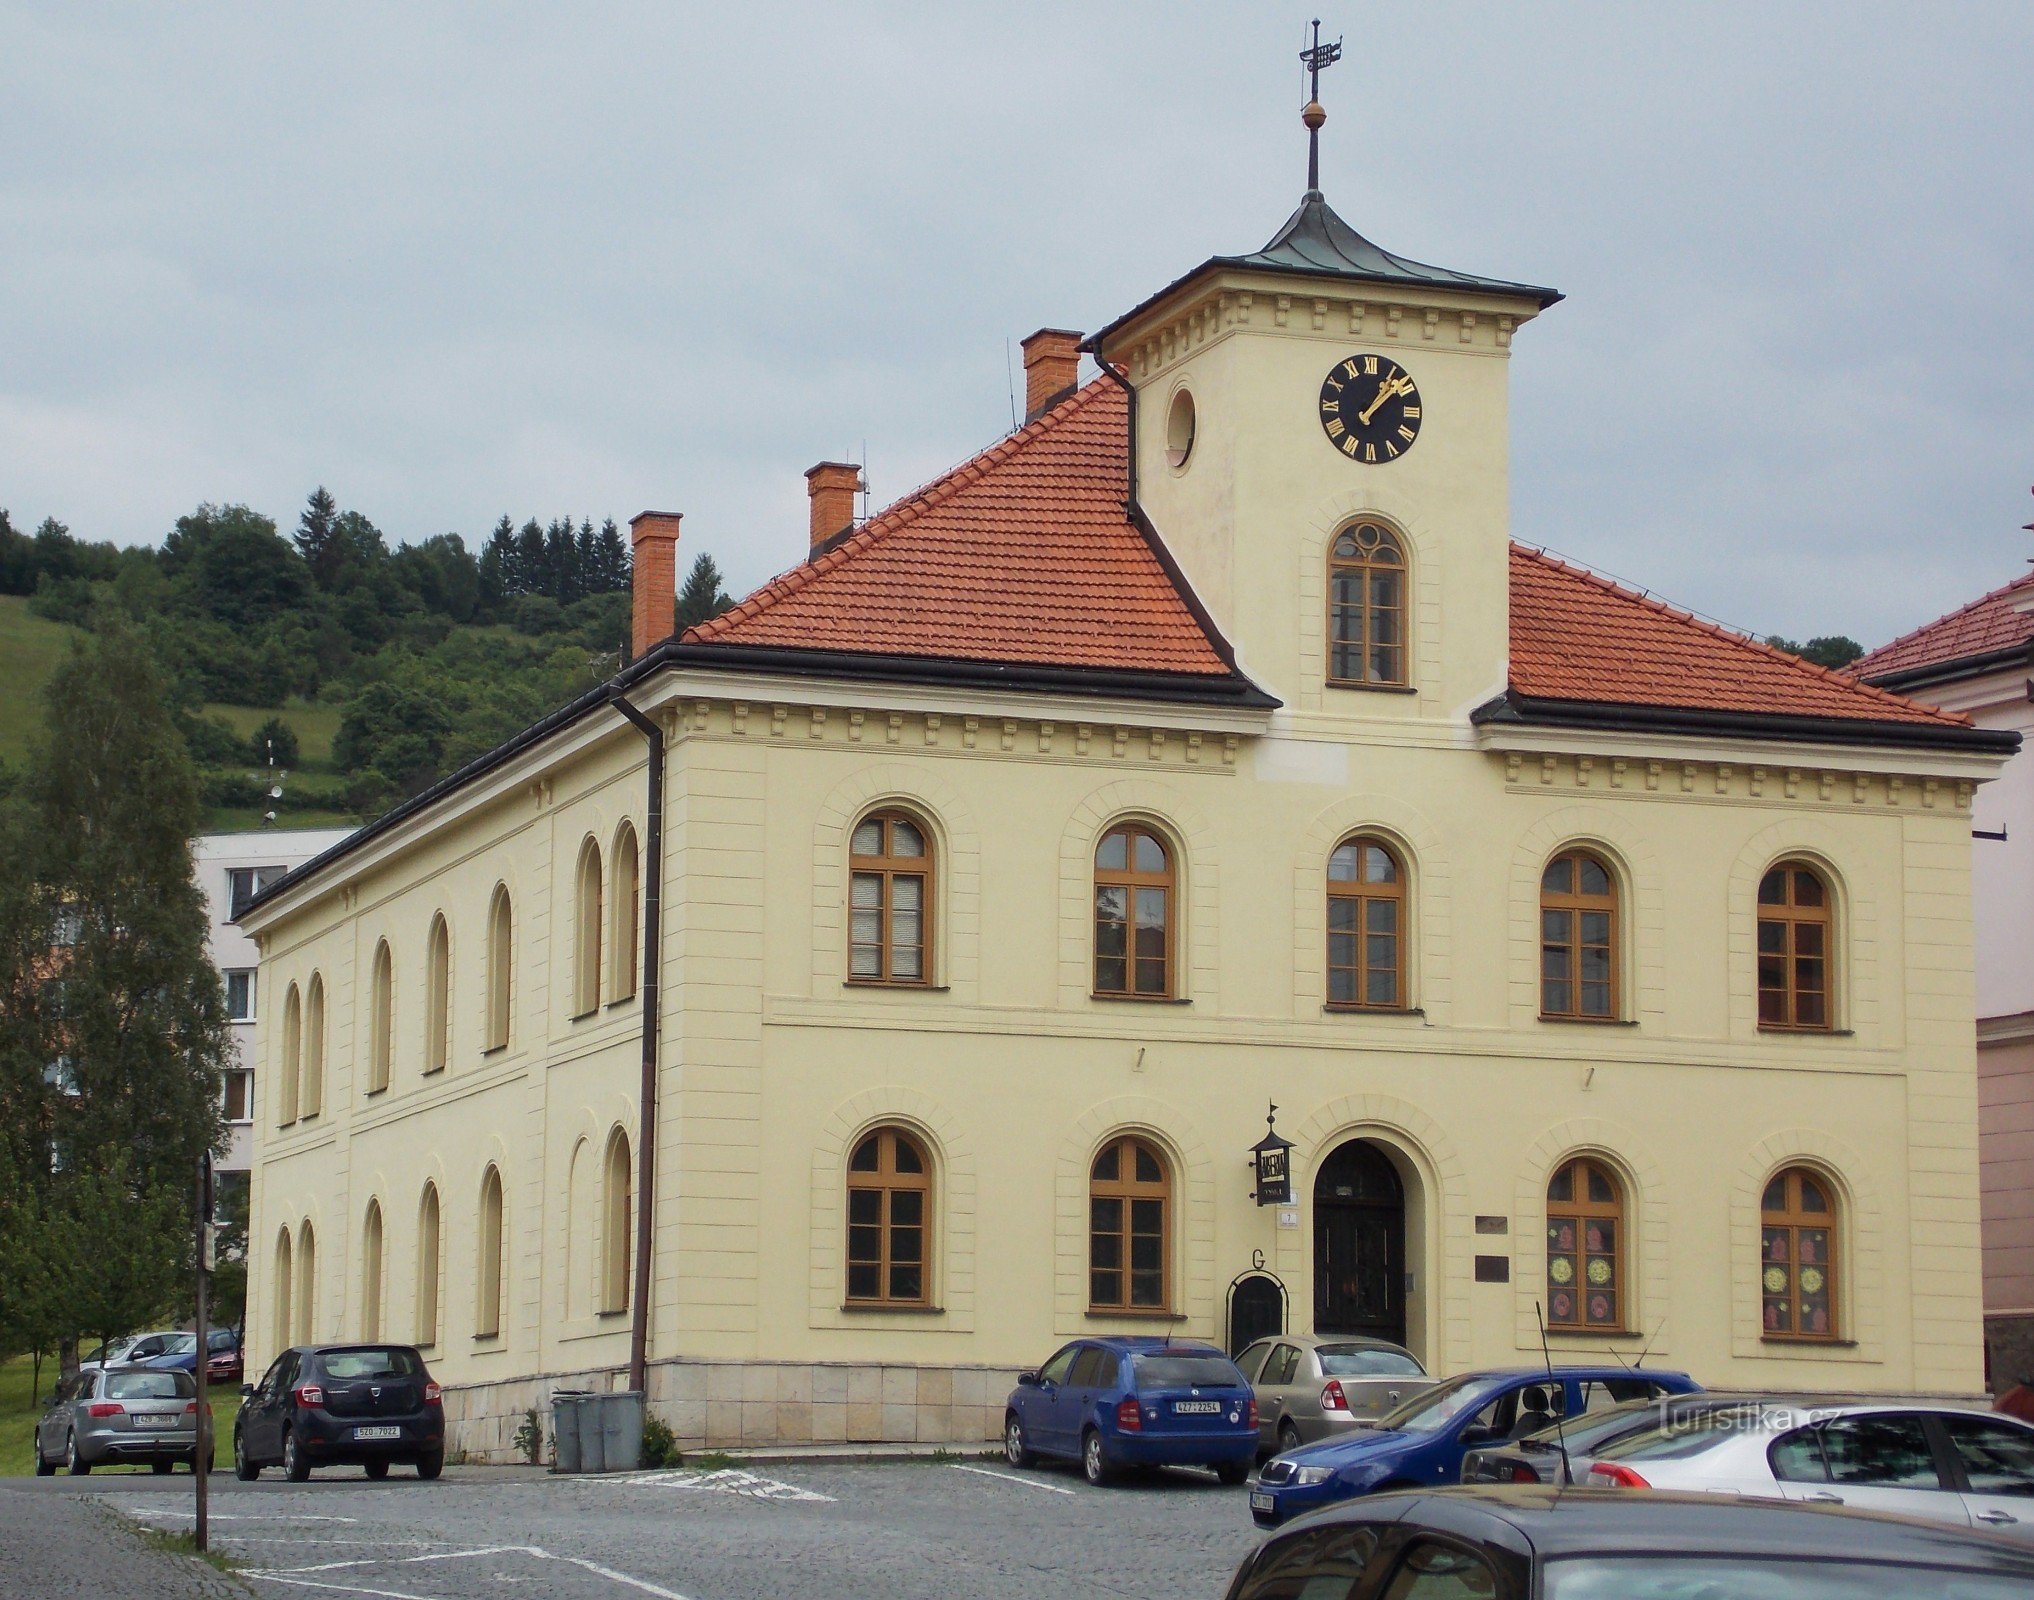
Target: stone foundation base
732	1405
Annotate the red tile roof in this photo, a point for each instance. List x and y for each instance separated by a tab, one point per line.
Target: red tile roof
1981	628
1577	636
1023	554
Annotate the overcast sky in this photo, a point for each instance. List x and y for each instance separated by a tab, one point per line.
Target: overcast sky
452	261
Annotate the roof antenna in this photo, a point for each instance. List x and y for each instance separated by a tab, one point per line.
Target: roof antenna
1560	1438
1010	375
865	479
1314	58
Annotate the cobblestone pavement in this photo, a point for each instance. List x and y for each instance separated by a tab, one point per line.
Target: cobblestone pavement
70	1547
842	1531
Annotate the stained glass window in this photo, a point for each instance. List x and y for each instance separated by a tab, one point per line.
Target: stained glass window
1585	1248
1797	1257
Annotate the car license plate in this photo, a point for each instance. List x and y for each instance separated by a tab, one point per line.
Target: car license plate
377	1433
1263	1502
156	1420
1197	1408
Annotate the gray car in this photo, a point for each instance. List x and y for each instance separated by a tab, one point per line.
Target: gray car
107	1415
1311	1388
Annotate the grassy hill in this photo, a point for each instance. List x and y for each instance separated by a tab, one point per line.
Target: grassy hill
30	648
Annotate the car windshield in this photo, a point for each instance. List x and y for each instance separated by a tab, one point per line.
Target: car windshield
1749	1576
1167	1369
1433	1409
1361	1361
1586	1433
149	1386
389	1362
178	1344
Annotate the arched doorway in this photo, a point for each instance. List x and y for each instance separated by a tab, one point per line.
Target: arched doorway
1256	1310
1359	1244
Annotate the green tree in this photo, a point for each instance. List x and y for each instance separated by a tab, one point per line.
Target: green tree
275	740
317	536
228	563
1834	651
702	597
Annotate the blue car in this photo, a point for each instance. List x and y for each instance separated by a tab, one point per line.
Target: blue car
1422	1443
1116	1403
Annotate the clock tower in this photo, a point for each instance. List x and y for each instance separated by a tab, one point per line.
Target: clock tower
1321	439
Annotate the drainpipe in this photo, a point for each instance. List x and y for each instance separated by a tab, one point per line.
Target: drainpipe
646	1159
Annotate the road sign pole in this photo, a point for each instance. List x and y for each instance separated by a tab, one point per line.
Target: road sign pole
201	1361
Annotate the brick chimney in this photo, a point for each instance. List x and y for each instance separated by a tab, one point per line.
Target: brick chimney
1052	366
653	537
833	486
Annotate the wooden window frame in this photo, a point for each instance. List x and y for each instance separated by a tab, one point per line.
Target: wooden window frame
1362	565
1789	917
1362	894
887	868
1126	1190
1576	904
589	907
381	1019
1580	1210
1792	1219
1130	880
887	1182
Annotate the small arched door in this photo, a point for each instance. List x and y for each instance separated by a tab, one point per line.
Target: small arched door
1256	1310
1359	1244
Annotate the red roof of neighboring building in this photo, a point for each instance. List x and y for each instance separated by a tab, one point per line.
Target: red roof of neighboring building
1577	636
1982	628
1022	554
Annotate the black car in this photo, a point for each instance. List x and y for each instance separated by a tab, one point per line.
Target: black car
1550	1544
333	1405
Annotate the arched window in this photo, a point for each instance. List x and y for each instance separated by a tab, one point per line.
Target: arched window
1794	948
628	956
889	1188
429	1265
438	997
314	1048
889	900
381	1020
1585	1247
370	1273
617	1219
1366	607
1129	1228
1797	1256
307	1284
292	1063
285	1284
1366	926
500	968
1133	913
489	1242
1578	937
586	952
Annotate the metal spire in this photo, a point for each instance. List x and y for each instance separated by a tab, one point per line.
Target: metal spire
1315	57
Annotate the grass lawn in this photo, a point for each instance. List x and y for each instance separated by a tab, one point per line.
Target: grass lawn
314	723
20	1407
30	648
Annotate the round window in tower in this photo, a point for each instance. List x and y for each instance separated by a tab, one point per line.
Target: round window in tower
1179	429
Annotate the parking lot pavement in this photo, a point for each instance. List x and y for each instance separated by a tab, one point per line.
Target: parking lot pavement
62	1547
845	1531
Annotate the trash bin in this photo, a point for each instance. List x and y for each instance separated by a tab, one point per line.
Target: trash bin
621	1430
592	1443
567	1406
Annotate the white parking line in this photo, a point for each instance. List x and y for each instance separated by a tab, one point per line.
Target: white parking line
295	1576
728	1480
1011	1477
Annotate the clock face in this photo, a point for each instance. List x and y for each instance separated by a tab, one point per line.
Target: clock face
1370	408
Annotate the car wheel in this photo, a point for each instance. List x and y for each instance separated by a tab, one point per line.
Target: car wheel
1094	1464
44	1467
162	1469
1233	1472
74	1463
1288	1436
431	1465
295	1467
1016	1448
244	1469
377	1470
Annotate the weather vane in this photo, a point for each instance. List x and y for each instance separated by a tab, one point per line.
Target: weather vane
1315	57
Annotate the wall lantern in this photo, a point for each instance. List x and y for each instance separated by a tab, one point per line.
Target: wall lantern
1272	1156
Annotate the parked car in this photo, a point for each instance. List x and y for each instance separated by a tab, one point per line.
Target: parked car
134	1349
1536	1458
1115	1403
1966	1468
227	1363
366	1405
101	1416
1424	1440
1548	1544
224	1344
1312	1388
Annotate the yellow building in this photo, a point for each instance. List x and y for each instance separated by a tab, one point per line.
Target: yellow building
1203	744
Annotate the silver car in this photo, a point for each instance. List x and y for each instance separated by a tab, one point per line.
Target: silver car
105	1415
1972	1469
1311	1388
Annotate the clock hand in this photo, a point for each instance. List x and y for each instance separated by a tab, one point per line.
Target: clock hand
1389	389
